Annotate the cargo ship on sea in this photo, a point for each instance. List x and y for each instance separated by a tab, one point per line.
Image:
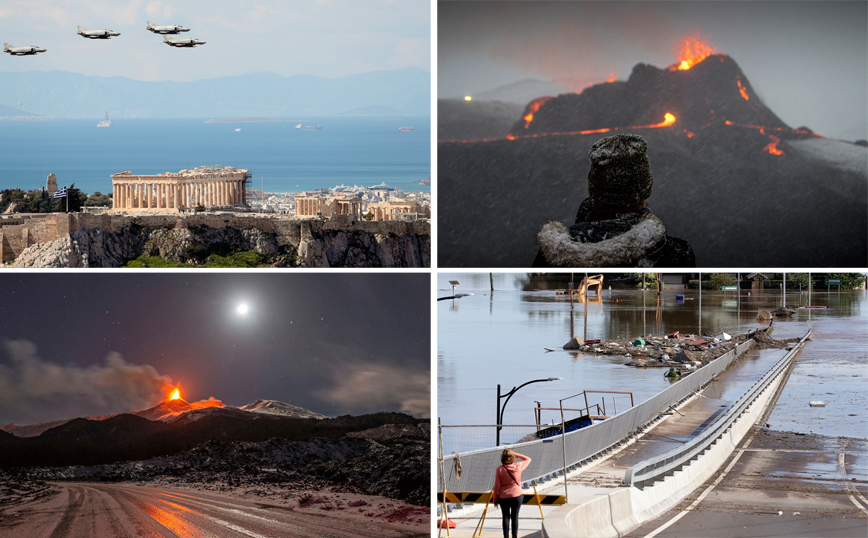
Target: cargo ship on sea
302	127
406	129
106	122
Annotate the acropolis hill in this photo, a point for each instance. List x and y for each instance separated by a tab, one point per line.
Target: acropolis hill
186	217
110	239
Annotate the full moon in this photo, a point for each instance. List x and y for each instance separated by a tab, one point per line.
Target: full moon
242	309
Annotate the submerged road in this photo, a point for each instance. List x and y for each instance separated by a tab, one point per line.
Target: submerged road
112	510
785	483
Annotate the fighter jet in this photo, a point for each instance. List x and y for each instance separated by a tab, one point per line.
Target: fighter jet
96	34
21	51
182	41
170	29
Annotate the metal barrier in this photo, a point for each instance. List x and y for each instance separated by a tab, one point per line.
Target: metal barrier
467	438
657	468
581	446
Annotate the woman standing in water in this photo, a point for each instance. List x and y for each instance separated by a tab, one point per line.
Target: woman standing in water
507	489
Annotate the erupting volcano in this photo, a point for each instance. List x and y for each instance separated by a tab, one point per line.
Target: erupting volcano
702	91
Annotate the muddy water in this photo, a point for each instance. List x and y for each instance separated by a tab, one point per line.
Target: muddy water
833	368
501	338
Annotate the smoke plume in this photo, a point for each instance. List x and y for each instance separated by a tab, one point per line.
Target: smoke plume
34	390
382	387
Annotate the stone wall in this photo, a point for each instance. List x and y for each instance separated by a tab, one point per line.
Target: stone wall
318	243
16	234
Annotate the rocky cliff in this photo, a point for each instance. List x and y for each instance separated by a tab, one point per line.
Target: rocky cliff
191	242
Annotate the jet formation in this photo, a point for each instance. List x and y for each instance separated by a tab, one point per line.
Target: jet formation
108	34
96	34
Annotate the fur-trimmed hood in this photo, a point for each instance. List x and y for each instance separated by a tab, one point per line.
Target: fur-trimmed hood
560	249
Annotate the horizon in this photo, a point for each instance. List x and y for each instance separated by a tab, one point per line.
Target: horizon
220	76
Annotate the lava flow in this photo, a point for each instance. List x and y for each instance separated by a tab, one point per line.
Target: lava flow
742	90
668	119
532	108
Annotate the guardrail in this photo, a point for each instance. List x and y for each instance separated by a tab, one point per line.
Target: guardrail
659	467
584	445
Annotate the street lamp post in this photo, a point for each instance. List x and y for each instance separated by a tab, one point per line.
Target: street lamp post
508	395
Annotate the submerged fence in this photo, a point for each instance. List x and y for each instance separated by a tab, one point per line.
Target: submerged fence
580	446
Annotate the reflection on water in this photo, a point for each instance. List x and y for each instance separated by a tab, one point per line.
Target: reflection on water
502	337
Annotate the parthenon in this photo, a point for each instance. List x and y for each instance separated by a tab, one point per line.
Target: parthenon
186	189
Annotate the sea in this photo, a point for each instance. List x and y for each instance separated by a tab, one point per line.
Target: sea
349	151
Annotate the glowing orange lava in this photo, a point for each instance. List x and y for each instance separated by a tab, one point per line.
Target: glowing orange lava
176	395
612	77
742	90
693	50
534	106
772	147
668	119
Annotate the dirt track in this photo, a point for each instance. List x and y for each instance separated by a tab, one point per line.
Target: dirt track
112	510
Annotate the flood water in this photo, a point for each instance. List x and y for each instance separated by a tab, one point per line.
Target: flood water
501	337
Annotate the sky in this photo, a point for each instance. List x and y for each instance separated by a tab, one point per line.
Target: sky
807	60
90	344
327	38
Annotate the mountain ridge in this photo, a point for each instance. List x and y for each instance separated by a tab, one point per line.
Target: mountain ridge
169	410
71	95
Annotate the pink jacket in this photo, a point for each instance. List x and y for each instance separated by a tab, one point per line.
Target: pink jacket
504	486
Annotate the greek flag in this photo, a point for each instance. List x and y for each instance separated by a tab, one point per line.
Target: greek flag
61	193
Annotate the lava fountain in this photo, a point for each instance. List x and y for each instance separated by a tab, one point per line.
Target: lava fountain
693	50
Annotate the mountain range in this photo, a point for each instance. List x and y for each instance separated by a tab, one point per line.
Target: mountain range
63	94
175	426
170	410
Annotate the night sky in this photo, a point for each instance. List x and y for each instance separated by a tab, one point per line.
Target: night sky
807	60
89	344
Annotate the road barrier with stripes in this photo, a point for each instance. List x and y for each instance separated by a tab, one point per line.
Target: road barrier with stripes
467	497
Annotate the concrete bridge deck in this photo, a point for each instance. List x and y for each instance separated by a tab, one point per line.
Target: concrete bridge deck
678	428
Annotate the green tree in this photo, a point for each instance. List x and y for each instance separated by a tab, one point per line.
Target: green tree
848	280
796	280
73	201
719	280
369	216
98	199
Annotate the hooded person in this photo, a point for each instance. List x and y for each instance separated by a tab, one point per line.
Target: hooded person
614	226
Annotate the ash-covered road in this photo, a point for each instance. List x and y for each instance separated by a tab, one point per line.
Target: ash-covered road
112	510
